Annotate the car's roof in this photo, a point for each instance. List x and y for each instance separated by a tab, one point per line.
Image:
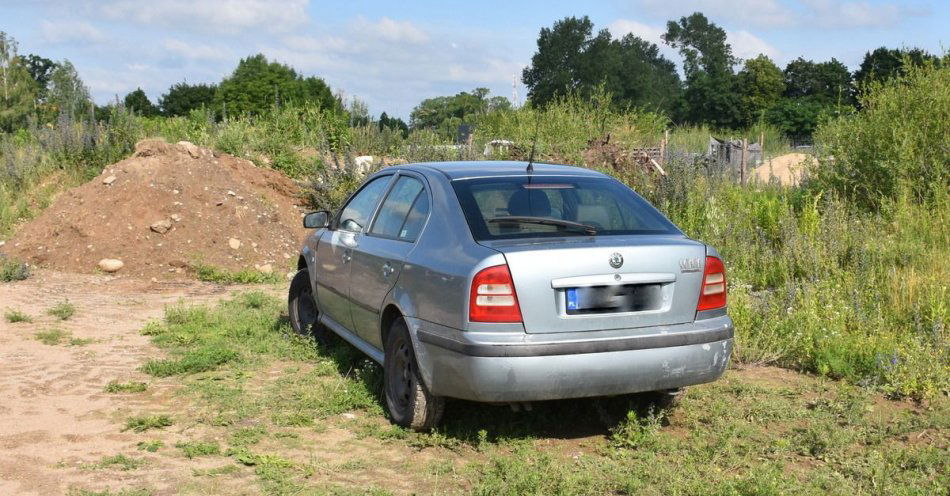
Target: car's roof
494	168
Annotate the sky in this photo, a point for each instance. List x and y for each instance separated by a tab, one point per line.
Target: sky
391	55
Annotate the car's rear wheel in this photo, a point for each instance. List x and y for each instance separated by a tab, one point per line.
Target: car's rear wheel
302	309
410	403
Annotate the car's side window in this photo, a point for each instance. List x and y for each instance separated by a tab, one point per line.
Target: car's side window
356	213
404	210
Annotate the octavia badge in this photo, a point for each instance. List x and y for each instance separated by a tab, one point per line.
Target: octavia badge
691	264
616	260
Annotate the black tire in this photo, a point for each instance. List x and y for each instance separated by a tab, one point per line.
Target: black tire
408	400
302	309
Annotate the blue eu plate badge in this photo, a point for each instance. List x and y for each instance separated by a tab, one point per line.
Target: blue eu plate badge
572	299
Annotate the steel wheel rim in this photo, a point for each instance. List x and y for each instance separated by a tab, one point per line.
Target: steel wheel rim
401	376
306	312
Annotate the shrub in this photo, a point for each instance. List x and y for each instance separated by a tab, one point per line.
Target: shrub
895	145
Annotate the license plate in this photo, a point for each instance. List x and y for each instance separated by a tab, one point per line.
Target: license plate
612	299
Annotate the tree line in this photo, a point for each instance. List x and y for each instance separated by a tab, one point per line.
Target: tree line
571	58
713	87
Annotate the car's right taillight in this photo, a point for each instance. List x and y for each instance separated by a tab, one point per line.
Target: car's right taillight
712	295
493	297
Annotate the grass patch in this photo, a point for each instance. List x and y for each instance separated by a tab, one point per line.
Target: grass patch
14	316
219	275
216	471
13	270
790	434
192	449
151	446
55	336
52	337
115	387
120	462
192	361
63	310
144	423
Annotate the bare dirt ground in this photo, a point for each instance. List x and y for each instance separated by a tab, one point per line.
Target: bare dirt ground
56	418
786	169
57	422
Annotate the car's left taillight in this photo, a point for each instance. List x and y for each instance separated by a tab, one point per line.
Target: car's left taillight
493	297
712	295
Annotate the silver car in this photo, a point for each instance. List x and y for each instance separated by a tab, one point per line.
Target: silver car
508	283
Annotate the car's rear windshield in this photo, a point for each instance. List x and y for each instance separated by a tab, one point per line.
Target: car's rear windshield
513	207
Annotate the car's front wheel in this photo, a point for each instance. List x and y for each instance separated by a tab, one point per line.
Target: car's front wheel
302	309
410	403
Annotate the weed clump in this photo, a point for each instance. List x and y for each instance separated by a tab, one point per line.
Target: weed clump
192	449
63	310
14	316
13	270
115	386
144	423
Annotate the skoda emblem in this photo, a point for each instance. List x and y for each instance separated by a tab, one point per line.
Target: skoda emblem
616	260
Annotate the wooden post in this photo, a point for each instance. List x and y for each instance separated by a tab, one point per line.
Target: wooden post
762	147
664	145
742	163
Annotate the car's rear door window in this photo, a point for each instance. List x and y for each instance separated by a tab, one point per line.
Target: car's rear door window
358	210
602	203
404	210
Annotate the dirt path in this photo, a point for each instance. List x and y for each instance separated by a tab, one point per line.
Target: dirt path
55	417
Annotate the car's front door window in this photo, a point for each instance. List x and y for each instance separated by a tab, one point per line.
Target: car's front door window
356	213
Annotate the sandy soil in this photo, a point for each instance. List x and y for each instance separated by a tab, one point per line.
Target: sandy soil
54	415
786	169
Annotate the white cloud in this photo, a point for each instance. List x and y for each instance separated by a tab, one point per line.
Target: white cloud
63	31
225	16
829	13
744	44
393	31
753	12
196	51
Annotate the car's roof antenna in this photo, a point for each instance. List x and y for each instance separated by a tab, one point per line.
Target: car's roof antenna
534	143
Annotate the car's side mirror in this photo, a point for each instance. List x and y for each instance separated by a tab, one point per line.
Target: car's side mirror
316	220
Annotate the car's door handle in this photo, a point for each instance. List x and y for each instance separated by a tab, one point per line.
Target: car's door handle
347	257
388	269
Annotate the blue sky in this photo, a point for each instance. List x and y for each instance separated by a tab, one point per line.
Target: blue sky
391	55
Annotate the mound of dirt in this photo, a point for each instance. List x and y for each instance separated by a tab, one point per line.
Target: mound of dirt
786	169
165	209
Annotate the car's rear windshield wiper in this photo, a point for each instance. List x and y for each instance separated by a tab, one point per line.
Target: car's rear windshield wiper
518	219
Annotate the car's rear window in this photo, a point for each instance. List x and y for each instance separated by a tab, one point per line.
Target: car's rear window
602	203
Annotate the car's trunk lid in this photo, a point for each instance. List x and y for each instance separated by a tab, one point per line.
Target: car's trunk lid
580	283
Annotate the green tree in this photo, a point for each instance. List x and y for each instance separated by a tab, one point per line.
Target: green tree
393	123
257	85
67	93
645	78
571	59
41	69
182	98
138	102
445	113
17	88
760	84
826	82
711	95
883	64
797	118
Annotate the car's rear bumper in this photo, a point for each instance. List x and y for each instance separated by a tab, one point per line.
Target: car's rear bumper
515	367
